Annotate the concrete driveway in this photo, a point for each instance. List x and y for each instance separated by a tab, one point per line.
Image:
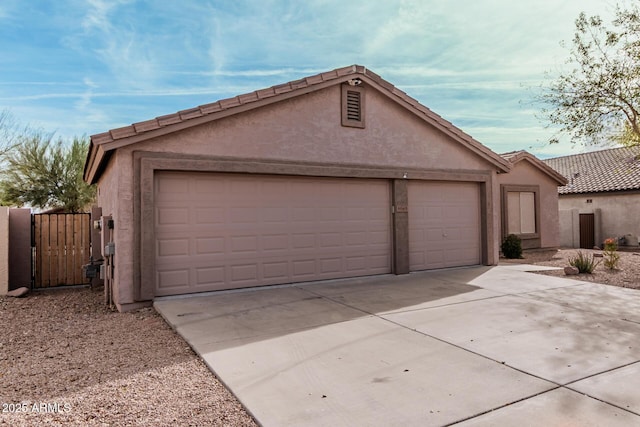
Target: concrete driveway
472	347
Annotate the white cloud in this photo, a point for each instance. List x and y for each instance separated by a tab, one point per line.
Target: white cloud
84	102
97	16
125	61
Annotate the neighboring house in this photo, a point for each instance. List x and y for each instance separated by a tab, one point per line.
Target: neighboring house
335	175
601	198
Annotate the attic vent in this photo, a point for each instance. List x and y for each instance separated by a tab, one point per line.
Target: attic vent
352	106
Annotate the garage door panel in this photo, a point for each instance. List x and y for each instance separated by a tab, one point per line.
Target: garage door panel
243	272
380	263
173	279
330	265
359	238
444	225
276	270
416	258
275	242
303	215
210	275
244	215
302	241
330	214
243	244
206	216
303	268
330	240
173	185
261	230
275	215
173	247
173	216
209	245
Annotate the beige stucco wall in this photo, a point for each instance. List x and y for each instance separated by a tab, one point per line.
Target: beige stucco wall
303	129
4	250
307	128
618	215
109	200
524	173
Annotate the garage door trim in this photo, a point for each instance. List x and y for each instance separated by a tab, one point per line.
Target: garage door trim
146	163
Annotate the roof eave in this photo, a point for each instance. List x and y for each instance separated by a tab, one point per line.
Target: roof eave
433	119
95	160
534	161
160	126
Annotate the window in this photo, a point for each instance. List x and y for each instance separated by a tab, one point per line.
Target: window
521	212
352	106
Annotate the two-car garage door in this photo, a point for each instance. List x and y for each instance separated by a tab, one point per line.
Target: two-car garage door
223	231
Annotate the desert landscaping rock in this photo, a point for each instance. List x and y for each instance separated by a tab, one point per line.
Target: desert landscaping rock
626	275
571	271
64	351
18	293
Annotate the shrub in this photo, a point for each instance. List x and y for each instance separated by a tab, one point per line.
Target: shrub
610	253
583	262
512	247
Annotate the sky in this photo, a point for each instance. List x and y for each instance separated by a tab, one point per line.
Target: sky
82	67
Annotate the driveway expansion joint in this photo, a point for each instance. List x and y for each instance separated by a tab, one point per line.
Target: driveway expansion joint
503	406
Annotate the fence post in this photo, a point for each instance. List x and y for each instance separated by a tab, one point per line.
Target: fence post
19	248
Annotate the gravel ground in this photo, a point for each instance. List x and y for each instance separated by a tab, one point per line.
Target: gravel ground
627	274
68	360
65	359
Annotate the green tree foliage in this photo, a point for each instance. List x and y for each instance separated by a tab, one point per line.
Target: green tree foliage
42	173
598	100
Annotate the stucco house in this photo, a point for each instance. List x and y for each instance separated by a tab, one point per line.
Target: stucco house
601	198
335	175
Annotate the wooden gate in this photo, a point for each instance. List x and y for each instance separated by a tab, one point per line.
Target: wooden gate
587	231
61	245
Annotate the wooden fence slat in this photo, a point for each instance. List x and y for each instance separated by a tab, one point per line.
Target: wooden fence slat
53	242
37	231
62	274
86	243
46	253
77	247
69	246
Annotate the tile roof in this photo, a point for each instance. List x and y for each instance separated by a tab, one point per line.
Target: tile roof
514	157
222	105
511	154
104	142
615	169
